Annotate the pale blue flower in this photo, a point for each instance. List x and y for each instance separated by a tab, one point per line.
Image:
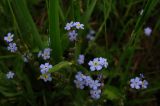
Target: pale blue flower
69	26
78	25
103	62
10	75
144	84
88	80
136	83
46	77
45	54
95	64
72	35
12	47
9	37
95	94
79	84
79	76
94	84
45	67
90	35
80	59
147	31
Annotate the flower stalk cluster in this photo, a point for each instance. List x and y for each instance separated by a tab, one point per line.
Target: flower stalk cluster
72	27
45	75
82	81
12	47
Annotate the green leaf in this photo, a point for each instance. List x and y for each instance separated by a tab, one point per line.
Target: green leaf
112	93
85	18
7	57
60	66
25	24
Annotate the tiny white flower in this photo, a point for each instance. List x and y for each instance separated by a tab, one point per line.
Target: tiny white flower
9	37
141	12
10	75
147	31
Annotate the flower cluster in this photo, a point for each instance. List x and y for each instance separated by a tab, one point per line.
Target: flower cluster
80	59
71	27
98	64
82	80
90	35
72	24
45	75
45	54
12	47
138	82
10	75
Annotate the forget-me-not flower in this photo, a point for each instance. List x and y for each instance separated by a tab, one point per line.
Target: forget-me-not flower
12	47
136	83
147	31
10	75
144	84
46	77
80	59
88	81
94	84
72	35
9	37
69	26
95	94
79	84
78	25
45	67
95	64
45	54
103	62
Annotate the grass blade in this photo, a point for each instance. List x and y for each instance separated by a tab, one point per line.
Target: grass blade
26	24
54	30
